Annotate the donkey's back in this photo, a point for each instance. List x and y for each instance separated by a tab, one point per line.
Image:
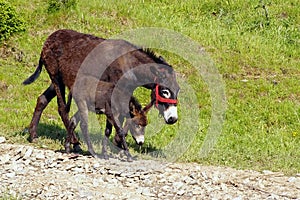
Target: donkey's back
63	53
65	50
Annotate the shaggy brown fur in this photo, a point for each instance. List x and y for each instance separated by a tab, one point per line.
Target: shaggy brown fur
99	101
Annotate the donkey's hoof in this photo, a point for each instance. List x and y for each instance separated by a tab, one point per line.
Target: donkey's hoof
34	140
129	159
93	153
77	148
67	148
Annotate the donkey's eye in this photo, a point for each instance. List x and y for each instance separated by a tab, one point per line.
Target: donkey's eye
166	93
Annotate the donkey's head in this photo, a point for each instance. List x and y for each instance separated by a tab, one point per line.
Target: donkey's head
166	103
164	93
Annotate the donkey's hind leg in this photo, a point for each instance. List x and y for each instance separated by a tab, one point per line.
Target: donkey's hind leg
41	104
61	102
75	119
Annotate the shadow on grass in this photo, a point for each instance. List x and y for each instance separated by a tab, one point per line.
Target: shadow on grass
147	149
57	133
51	131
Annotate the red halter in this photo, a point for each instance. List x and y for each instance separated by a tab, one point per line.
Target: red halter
162	99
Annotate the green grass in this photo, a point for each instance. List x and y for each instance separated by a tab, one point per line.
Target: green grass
254	44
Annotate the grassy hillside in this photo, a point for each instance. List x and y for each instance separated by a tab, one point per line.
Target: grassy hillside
255	45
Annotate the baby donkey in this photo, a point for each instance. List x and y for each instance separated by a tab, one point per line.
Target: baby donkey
90	94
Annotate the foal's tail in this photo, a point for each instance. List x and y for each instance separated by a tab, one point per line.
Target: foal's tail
35	75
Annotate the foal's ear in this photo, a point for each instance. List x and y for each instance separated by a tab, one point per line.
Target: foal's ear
133	110
147	108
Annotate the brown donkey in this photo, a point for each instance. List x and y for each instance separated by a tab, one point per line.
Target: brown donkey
66	54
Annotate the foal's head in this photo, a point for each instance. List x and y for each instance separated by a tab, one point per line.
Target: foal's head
137	121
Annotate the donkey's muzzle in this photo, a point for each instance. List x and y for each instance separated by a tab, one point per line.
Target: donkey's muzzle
170	115
171	120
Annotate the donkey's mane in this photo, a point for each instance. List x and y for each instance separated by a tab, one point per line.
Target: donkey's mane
157	59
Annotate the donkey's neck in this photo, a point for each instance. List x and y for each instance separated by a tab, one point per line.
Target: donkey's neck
136	77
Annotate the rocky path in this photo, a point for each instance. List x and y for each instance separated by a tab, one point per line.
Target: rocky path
30	173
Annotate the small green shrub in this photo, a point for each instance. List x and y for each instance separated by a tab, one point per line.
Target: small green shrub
56	5
10	21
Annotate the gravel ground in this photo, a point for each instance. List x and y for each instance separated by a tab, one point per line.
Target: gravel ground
30	173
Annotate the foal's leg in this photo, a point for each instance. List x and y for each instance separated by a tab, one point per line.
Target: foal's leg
117	140
83	110
107	132
41	104
120	132
122	135
75	119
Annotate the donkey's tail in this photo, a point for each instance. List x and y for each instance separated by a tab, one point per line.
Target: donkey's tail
35	75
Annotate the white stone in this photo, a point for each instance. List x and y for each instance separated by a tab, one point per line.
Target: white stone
2	140
40	156
267	172
292	179
180	192
4	159
178	185
28	153
146	191
11	175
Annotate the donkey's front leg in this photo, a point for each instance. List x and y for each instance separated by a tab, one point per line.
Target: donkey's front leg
75	119
117	140
122	134
114	120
